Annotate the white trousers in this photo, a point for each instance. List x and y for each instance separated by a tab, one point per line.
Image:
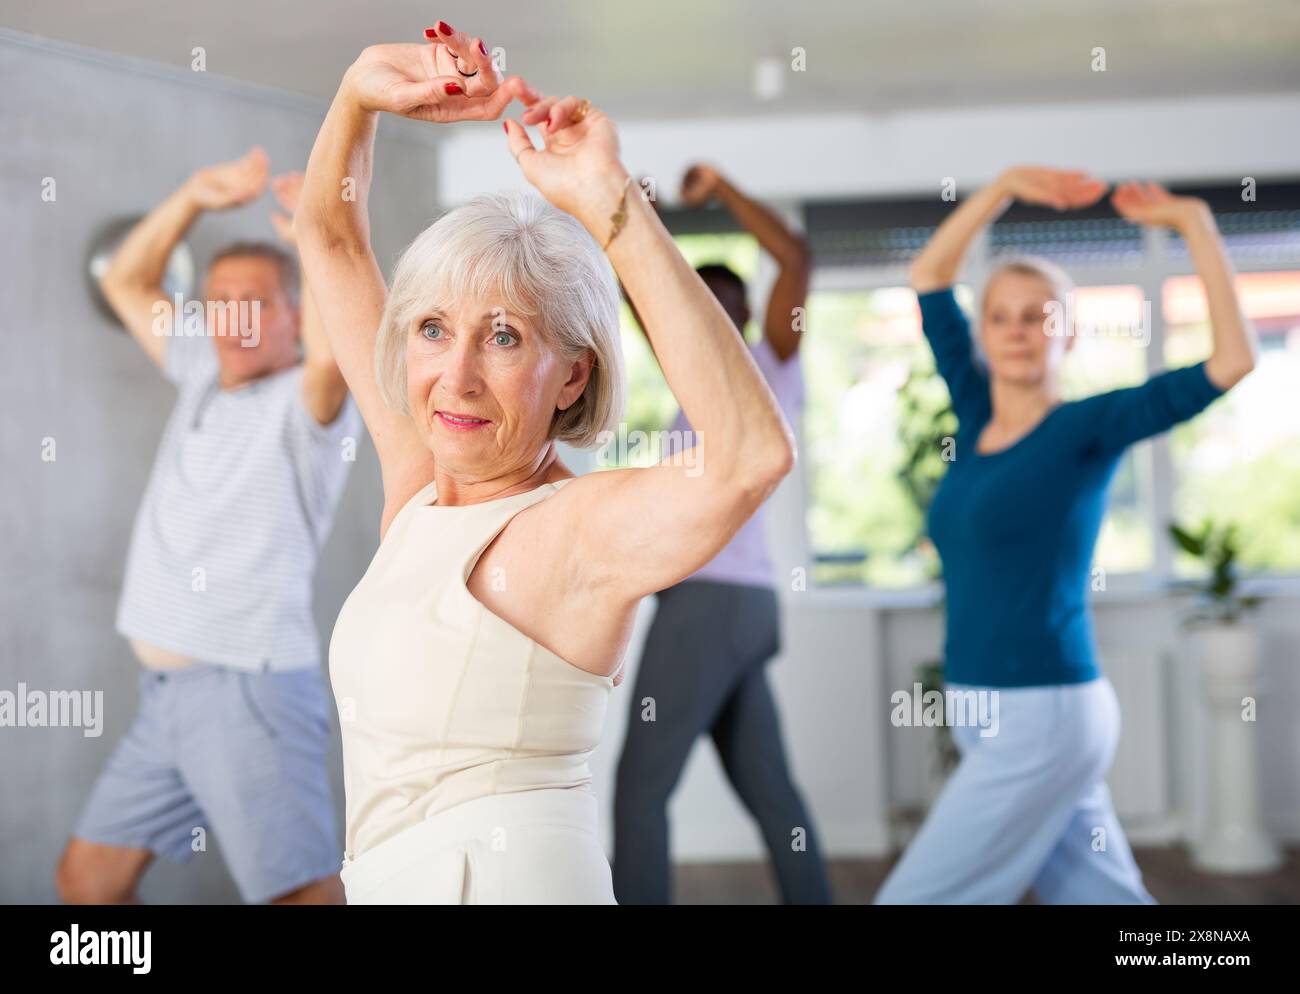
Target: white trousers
527	847
1026	808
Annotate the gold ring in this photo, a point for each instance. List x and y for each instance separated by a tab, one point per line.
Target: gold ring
581	112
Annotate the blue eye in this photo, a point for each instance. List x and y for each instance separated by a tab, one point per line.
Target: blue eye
511	338
427	327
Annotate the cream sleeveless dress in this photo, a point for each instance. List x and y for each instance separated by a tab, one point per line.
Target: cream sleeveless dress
465	742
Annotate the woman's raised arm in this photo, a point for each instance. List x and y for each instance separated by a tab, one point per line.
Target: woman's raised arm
1235	344
333	226
940	261
640	530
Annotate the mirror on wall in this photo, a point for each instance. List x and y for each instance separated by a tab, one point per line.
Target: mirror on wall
178	277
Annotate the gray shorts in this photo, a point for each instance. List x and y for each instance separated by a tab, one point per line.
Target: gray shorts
237	753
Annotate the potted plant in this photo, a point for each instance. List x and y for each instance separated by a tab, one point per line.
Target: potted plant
927	426
1234	840
1221	604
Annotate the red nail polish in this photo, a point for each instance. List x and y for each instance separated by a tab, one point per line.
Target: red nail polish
506	125
453	88
430	33
444	28
481	48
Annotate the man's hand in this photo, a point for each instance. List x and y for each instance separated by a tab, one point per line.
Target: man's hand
287	189
132	283
230	184
699	185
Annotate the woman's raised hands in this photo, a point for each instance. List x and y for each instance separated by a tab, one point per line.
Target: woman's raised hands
451	78
1063	189
1151	204
578	168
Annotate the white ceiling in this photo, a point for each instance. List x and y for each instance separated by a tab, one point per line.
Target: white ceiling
660	59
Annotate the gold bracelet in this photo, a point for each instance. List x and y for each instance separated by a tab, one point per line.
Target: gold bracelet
619	217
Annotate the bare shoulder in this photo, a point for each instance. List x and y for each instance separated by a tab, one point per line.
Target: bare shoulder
540	538
400	486
531	576
568	527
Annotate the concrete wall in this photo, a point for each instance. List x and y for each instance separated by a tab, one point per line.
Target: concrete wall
116	136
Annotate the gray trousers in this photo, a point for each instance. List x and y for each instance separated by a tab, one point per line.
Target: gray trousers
703	671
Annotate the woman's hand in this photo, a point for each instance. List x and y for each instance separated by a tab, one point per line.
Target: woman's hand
230	184
287	189
451	78
578	169
1151	204
939	262
1236	344
1063	189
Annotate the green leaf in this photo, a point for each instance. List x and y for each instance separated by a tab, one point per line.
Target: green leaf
1186	541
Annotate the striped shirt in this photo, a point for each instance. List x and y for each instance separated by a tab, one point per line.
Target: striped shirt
240	500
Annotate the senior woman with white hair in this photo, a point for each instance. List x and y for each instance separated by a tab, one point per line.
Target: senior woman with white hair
472	663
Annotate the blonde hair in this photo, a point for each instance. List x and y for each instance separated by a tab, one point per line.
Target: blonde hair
543	264
1031	265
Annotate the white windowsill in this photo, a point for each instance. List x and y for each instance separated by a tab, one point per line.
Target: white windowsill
1126	589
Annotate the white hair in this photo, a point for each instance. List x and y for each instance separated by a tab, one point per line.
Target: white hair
541	263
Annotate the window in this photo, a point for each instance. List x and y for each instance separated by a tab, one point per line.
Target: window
651	406
878	411
874	413
1240	460
1086	237
1095	364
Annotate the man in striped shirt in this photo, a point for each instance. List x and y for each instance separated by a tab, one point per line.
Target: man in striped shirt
233	730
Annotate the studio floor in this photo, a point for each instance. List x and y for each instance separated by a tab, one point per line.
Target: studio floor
1167	871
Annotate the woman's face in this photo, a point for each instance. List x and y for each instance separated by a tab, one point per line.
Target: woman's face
484	385
1013	329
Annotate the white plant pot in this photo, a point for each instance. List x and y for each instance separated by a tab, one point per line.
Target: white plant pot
1234	840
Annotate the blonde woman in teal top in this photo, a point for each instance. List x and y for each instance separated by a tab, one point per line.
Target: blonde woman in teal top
1016	522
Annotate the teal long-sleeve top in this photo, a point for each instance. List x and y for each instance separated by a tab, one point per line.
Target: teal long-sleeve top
1016	529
